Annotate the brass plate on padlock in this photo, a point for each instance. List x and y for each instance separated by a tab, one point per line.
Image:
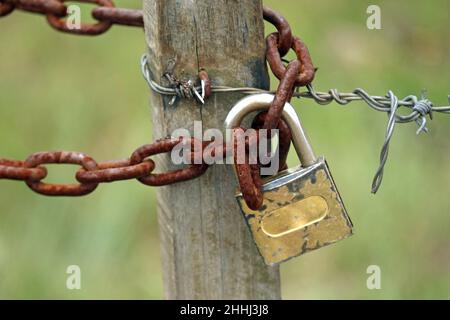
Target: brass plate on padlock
294	216
302	211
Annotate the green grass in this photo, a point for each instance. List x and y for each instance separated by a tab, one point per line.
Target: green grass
77	93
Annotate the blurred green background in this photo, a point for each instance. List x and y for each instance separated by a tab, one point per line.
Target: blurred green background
78	93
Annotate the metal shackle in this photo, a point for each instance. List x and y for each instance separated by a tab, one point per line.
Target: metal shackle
263	101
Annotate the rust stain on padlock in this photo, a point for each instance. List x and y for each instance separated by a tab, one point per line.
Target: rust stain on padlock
302	211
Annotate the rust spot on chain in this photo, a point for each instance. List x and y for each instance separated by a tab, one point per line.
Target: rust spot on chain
284	137
282	95
15	170
127	17
284	143
61	157
115	170
250	182
39	6
203	75
85	29
284	30
162	146
273	57
5	8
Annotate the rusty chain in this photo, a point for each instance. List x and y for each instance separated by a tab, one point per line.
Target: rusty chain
299	72
106	14
138	166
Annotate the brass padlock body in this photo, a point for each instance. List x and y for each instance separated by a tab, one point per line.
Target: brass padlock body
302	211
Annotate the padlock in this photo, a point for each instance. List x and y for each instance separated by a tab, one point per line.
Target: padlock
302	209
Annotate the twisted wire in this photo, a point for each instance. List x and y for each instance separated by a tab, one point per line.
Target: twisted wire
385	149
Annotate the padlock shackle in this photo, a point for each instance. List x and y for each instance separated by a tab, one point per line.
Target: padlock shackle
263	101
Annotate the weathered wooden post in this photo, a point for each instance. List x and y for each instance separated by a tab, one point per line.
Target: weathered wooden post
207	251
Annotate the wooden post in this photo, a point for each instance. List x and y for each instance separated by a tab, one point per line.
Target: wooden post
207	250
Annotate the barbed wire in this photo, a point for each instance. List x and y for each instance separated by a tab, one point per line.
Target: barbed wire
389	104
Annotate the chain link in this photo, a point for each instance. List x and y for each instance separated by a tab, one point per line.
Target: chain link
58	157
284	29
165	146
56	11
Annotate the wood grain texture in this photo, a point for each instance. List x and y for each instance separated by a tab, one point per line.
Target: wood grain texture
207	249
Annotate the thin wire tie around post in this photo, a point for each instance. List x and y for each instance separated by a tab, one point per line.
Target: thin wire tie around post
178	89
